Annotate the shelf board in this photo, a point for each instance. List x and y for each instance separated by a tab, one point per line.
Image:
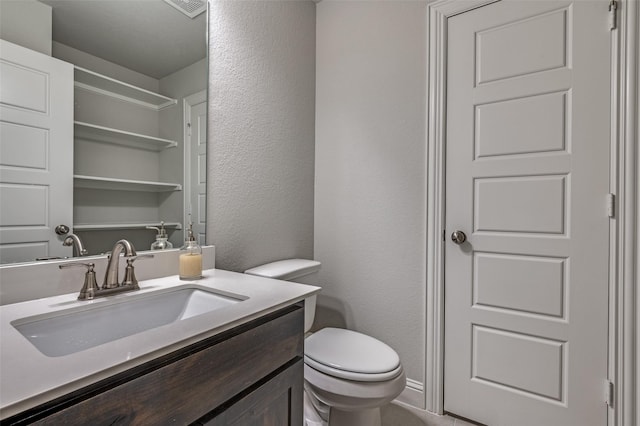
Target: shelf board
95	82
109	226
92	132
96	182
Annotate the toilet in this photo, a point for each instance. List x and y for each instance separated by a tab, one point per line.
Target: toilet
348	375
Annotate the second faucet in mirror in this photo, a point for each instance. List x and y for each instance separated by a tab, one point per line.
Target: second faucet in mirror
76	242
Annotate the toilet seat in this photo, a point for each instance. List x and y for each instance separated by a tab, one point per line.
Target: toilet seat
351	395
350	355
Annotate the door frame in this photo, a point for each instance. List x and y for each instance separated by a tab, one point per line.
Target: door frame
188	102
624	254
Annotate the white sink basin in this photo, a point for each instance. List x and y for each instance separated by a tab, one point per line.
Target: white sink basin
73	330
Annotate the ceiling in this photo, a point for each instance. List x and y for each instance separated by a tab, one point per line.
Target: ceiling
148	36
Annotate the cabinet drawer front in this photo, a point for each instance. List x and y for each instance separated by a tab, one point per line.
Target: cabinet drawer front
275	402
185	390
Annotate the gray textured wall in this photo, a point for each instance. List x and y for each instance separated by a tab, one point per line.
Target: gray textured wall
370	202
261	131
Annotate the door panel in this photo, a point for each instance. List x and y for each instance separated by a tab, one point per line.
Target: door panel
17	139
533	124
36	153
520	204
539	288
197	179
545	356
527	174
521	46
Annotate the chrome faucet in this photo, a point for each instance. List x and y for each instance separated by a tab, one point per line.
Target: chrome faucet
90	289
76	242
111	275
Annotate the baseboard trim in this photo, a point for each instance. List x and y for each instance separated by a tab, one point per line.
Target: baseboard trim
413	394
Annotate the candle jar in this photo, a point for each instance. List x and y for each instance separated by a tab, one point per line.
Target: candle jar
190	261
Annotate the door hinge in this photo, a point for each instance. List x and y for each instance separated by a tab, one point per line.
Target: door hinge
613	9
444	235
611	205
608	393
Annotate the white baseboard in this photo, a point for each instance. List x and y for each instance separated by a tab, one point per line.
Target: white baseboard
413	394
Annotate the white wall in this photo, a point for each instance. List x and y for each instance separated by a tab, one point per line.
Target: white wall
370	171
27	23
102	66
261	131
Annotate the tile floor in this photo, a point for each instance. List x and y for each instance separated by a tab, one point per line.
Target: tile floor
399	414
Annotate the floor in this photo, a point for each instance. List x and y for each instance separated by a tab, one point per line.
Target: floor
399	414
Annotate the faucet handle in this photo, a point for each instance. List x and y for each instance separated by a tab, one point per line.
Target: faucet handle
129	273
90	286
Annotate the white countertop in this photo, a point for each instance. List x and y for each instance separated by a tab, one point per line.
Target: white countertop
29	378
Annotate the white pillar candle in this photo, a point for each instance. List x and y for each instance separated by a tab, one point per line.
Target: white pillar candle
190	266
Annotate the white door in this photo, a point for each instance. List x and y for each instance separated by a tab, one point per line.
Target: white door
527	175
36	153
196	164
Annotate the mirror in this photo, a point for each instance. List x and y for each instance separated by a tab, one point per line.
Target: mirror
136	162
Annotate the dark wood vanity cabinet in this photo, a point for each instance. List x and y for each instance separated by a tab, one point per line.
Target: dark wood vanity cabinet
276	402
249	375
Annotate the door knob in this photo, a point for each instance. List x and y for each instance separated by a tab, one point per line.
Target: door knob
458	237
62	229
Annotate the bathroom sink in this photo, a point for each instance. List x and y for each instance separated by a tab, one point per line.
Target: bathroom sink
73	330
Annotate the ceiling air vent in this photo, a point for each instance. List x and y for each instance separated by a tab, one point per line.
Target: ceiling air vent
191	8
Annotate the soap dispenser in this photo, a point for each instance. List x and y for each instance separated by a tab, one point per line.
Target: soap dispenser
161	242
190	258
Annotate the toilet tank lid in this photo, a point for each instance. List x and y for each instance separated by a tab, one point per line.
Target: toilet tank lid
288	269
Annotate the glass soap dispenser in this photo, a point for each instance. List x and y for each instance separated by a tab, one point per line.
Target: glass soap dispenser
190	258
162	239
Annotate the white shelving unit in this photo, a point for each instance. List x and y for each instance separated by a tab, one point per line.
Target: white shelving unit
115	184
92	132
98	200
95	82
111	226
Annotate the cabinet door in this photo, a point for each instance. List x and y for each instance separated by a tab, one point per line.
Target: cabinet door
277	402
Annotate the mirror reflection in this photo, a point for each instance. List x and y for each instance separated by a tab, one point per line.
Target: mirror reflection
124	150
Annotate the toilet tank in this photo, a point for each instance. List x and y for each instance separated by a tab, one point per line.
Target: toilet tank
295	270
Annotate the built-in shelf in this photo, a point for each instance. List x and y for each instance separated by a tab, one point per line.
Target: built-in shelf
95	82
92	132
95	182
109	226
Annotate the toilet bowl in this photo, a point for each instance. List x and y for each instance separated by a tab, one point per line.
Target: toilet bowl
348	375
